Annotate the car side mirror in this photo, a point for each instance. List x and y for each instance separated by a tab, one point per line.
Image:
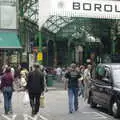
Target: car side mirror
105	79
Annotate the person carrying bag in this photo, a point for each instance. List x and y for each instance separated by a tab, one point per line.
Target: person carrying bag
42	100
35	87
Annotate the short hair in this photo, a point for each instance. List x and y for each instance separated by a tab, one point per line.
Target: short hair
8	69
73	65
36	65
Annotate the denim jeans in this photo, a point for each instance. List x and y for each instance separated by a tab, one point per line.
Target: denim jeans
73	99
81	90
7	93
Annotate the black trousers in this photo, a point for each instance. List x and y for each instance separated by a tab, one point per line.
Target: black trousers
35	102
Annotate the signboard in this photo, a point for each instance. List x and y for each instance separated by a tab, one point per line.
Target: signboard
13	58
8	17
24	57
86	8
40	56
106	9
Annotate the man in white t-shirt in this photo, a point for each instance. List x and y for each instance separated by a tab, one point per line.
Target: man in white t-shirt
58	73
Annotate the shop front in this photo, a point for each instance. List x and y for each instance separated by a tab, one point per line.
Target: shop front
9	48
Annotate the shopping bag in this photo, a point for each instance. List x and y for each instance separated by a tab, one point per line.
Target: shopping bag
26	98
42	101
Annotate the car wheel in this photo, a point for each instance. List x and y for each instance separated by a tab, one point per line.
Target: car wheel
92	104
115	109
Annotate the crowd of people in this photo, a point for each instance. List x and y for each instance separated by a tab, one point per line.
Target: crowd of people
21	79
77	81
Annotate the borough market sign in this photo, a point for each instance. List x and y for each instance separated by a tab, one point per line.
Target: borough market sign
86	6
105	9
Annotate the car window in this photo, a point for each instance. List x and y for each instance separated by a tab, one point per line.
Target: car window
100	70
107	73
116	75
102	73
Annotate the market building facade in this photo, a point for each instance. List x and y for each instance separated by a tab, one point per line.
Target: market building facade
61	33
79	28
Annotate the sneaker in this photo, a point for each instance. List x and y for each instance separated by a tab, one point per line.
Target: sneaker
6	113
71	112
76	109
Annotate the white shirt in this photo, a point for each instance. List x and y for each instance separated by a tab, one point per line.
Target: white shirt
58	71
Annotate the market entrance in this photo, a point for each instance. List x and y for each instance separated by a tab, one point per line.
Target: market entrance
79	29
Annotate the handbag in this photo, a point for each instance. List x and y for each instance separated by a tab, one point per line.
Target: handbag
42	101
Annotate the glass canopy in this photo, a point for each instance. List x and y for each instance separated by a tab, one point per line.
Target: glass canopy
55	23
70	27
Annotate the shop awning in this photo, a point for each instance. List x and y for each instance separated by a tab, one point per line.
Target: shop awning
9	40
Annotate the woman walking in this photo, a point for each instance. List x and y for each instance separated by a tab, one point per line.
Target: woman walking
7	89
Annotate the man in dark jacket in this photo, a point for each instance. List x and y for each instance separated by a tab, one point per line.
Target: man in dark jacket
73	86
35	86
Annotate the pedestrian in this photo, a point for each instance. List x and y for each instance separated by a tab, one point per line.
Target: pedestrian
87	81
59	73
7	89
81	81
22	82
35	86
24	71
4	68
45	77
13	71
17	72
63	74
72	83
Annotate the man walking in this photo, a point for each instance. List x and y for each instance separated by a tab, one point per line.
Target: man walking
73	86
35	86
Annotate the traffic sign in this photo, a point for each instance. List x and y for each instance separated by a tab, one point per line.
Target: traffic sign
39	56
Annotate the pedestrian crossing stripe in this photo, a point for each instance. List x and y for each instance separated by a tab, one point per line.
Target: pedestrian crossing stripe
96	114
43	118
25	117
8	118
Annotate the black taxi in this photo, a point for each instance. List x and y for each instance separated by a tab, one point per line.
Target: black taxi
105	88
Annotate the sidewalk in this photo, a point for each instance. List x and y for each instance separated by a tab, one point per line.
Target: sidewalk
56	86
56	104
56	107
